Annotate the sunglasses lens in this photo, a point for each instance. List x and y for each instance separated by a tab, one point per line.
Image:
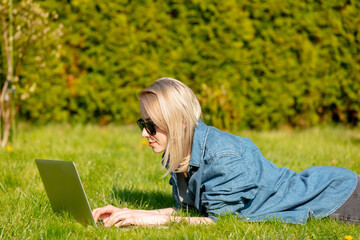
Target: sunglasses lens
149	126
141	124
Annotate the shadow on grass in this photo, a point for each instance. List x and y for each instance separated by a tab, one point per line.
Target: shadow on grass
141	198
355	140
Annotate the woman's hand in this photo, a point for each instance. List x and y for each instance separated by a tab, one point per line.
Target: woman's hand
113	216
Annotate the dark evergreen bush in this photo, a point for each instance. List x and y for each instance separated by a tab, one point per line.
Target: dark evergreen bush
252	63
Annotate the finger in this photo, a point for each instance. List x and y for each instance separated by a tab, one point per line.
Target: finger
122	223
115	218
104	216
98	213
110	221
106	209
95	212
95	215
103	212
118	224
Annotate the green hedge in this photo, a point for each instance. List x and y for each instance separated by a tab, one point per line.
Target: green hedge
252	63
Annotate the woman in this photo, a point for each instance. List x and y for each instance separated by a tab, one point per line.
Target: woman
219	173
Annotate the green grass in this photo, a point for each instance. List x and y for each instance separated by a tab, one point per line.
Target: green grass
116	168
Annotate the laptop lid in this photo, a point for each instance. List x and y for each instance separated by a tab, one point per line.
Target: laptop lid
64	189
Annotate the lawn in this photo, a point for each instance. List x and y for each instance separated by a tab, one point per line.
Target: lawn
116	167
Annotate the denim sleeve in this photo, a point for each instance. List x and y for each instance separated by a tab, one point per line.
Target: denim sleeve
228	185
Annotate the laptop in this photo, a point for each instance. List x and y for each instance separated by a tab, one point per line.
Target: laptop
64	189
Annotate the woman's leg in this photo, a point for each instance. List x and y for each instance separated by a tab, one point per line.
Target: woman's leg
350	210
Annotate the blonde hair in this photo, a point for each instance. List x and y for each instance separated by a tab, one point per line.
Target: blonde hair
174	108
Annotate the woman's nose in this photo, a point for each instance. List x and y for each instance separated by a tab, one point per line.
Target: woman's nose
144	133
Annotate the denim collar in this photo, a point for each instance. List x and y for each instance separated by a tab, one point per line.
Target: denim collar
198	144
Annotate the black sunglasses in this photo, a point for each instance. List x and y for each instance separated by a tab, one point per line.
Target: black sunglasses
149	126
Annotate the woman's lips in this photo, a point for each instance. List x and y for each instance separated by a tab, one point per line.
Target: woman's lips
151	144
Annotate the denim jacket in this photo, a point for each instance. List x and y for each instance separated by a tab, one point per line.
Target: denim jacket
229	175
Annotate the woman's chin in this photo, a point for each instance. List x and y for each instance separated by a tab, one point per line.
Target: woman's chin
157	150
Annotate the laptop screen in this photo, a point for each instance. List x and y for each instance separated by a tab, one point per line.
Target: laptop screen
64	189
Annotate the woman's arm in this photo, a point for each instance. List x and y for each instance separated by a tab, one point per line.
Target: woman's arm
195	220
167	211
113	216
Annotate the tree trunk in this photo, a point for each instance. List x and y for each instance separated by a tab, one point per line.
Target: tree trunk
5	105
6	135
